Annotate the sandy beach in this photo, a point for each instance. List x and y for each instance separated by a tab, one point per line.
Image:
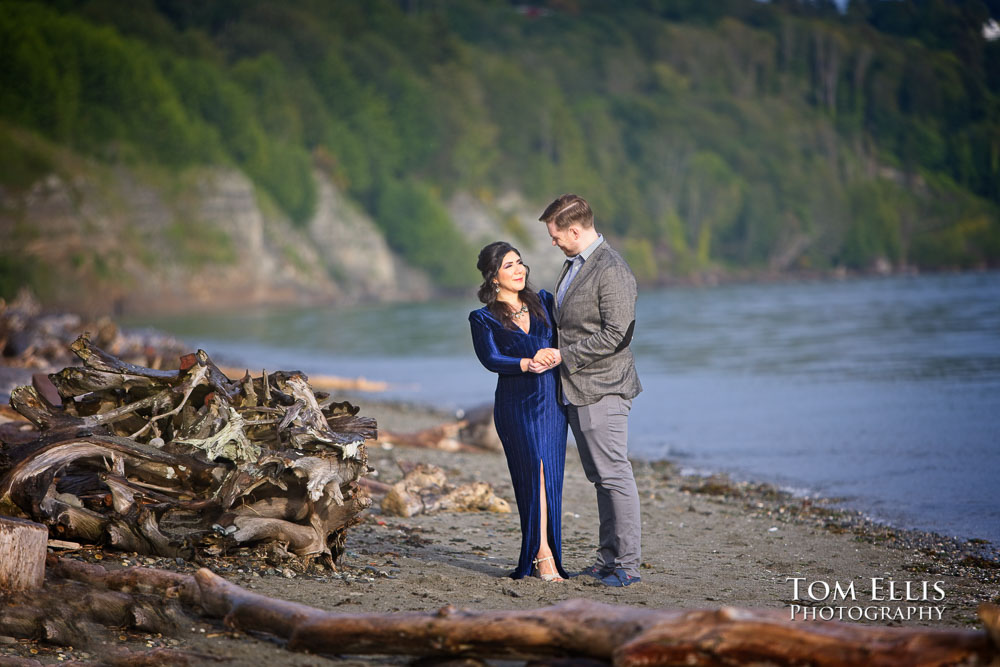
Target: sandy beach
707	542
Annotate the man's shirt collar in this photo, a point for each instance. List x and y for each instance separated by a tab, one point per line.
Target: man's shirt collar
589	250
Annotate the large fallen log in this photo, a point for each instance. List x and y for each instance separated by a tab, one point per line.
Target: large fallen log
83	605
173	462
623	636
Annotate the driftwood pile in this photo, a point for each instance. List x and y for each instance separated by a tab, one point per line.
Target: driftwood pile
170	463
590	632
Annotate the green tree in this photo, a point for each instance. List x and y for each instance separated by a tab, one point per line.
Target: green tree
733	133
875	229
710	203
417	225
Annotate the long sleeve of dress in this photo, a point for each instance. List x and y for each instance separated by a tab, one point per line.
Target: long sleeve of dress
486	347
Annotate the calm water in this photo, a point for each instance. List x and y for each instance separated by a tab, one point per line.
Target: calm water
882	392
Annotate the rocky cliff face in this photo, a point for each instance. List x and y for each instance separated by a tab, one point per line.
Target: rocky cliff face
509	218
103	239
356	253
95	239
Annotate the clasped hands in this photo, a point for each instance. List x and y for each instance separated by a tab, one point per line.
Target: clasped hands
544	359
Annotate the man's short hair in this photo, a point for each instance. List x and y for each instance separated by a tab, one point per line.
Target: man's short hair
568	210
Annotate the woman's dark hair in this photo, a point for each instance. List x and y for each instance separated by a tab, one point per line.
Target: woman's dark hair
490	261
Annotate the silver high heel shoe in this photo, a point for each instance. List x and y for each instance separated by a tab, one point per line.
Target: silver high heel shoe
546	577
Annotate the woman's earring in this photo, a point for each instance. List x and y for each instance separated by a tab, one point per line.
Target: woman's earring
496	287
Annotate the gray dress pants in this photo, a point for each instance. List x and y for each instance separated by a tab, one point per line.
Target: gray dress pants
601	432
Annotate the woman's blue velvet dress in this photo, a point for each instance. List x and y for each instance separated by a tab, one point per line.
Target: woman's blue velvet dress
530	421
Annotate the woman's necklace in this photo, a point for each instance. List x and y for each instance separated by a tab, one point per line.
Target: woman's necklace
518	314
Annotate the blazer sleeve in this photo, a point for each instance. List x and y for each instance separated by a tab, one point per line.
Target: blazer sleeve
486	347
616	295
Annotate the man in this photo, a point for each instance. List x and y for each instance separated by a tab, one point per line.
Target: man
595	317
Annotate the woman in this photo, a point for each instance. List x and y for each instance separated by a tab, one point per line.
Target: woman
513	336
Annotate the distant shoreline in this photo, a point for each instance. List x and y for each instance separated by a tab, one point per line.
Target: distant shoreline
168	305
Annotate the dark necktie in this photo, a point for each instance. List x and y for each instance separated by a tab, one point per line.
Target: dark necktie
574	267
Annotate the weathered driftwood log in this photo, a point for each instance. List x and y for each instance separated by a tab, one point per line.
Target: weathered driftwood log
171	462
747	636
78	610
425	489
130	579
989	614
22	554
474	433
121	657
157	657
579	629
442	436
480	431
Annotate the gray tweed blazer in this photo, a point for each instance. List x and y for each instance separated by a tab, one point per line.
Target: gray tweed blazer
595	325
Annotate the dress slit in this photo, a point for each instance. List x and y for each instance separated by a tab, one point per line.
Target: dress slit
553	507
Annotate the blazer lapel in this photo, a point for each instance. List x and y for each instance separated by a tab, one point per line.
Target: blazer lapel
588	267
555	291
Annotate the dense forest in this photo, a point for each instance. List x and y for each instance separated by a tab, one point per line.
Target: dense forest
730	135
